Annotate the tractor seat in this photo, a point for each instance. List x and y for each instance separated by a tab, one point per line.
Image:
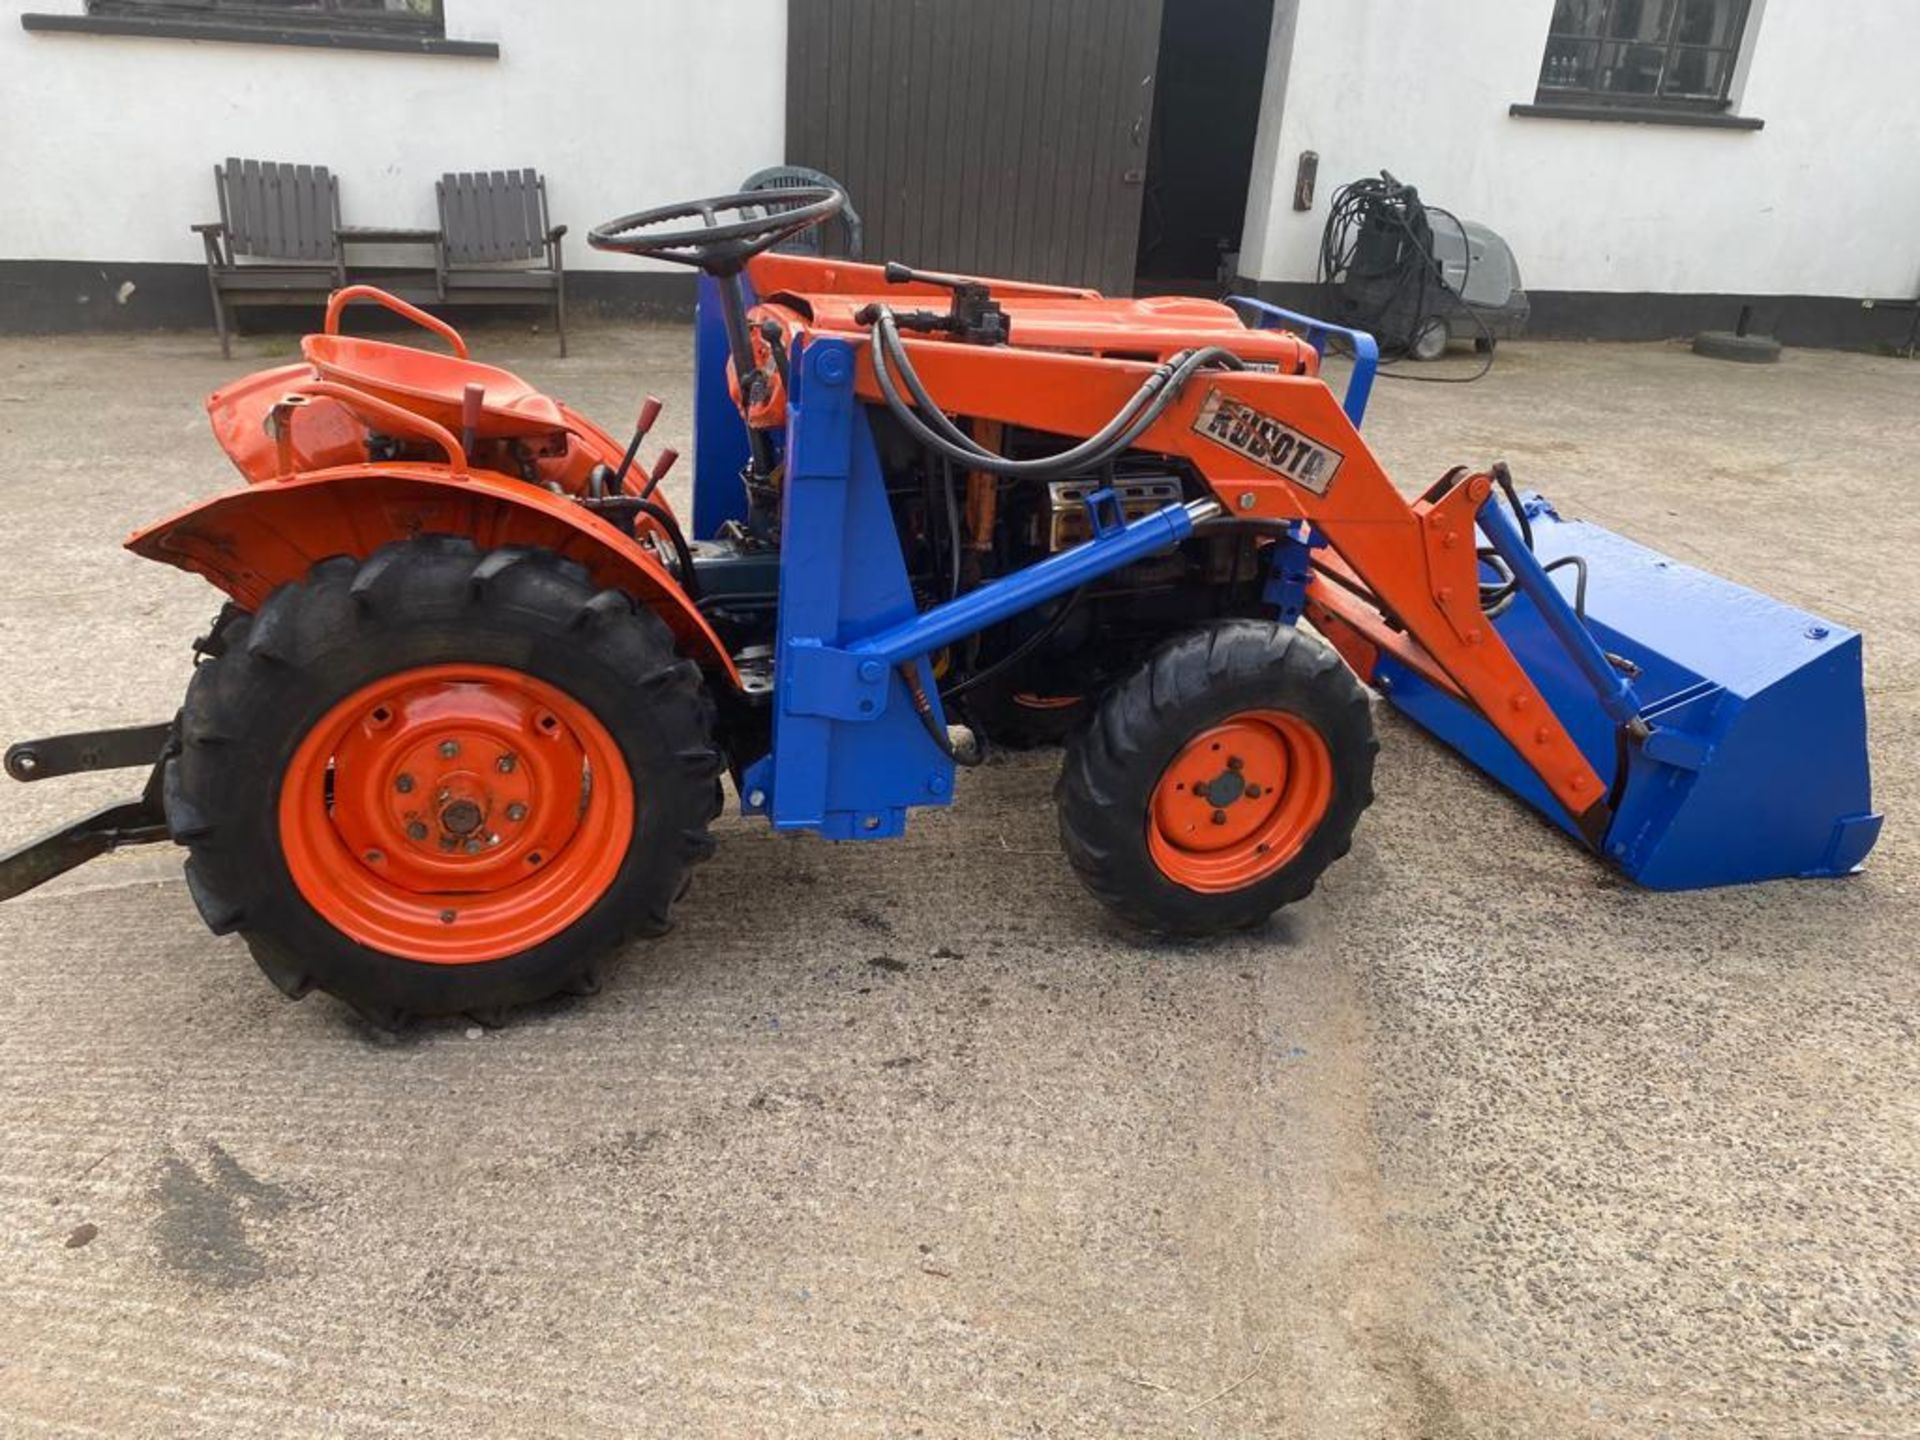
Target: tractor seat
433	385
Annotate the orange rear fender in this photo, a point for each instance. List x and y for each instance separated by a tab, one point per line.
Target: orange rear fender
250	542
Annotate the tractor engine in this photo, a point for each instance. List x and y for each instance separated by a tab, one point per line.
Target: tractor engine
1025	682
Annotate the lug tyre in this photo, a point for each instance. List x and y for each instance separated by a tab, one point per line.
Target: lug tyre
1219	780
442	780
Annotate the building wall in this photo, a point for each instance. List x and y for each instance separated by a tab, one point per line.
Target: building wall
111	142
1824	201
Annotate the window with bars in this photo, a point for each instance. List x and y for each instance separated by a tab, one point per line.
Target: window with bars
383	17
1648	54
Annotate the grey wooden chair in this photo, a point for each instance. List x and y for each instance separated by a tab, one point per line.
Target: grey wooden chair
497	246
811	242
277	240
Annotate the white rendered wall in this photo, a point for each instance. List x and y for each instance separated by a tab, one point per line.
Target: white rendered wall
1825	200
107	144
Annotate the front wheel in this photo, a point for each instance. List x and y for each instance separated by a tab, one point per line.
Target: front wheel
1219	780
442	780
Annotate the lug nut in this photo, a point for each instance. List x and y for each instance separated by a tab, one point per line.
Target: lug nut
1219	817
404	784
416	830
473	847
516	811
1253	792
507	762
449	749
1233	762
447	917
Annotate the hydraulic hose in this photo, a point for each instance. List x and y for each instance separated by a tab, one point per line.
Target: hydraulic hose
928	424
663	517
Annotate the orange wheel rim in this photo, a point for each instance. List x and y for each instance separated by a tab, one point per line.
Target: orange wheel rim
1239	802
455	813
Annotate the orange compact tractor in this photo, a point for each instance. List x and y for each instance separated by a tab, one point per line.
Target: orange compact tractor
460	730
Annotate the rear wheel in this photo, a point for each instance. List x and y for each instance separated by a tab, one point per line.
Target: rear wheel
442	780
1431	342
1219	780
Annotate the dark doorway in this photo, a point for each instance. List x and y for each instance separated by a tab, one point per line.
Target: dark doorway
1206	106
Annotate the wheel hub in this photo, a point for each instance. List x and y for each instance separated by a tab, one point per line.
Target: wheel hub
1239	800
459	803
479	780
1225	788
462	817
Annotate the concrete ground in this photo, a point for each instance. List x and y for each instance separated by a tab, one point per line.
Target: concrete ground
909	1139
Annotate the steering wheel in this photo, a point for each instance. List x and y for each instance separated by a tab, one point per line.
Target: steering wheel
718	248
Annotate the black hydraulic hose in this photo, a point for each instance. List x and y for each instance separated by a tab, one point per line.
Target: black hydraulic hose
923	707
663	517
1144	407
953	525
940	434
885	346
1503	477
1019	652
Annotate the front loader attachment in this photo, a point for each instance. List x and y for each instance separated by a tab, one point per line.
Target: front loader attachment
1732	727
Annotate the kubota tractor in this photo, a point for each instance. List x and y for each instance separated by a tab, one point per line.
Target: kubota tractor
460	730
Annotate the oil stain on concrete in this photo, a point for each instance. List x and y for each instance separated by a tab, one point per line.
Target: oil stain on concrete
207	1226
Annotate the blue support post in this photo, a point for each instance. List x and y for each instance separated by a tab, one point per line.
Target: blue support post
852	767
719	434
1291	571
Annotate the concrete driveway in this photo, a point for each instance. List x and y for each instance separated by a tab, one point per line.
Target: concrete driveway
908	1139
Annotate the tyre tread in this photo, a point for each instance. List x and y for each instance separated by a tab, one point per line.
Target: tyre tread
1174	692
250	682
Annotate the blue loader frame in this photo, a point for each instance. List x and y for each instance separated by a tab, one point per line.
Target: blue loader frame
850	753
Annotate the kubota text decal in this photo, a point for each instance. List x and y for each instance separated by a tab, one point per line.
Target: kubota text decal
1265	441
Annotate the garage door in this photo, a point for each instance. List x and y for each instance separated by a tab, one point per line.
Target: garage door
996	137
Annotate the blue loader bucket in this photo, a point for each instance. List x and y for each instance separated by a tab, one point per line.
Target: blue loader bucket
1742	721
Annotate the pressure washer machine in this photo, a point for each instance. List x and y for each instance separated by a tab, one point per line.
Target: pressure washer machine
1414	275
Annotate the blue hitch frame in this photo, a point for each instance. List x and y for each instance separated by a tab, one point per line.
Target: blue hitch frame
1366	350
850	754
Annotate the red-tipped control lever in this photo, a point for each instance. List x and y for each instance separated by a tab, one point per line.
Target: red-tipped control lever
659	472
473	400
649	412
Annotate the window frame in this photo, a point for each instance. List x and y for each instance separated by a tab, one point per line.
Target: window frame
1592	96
329	16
